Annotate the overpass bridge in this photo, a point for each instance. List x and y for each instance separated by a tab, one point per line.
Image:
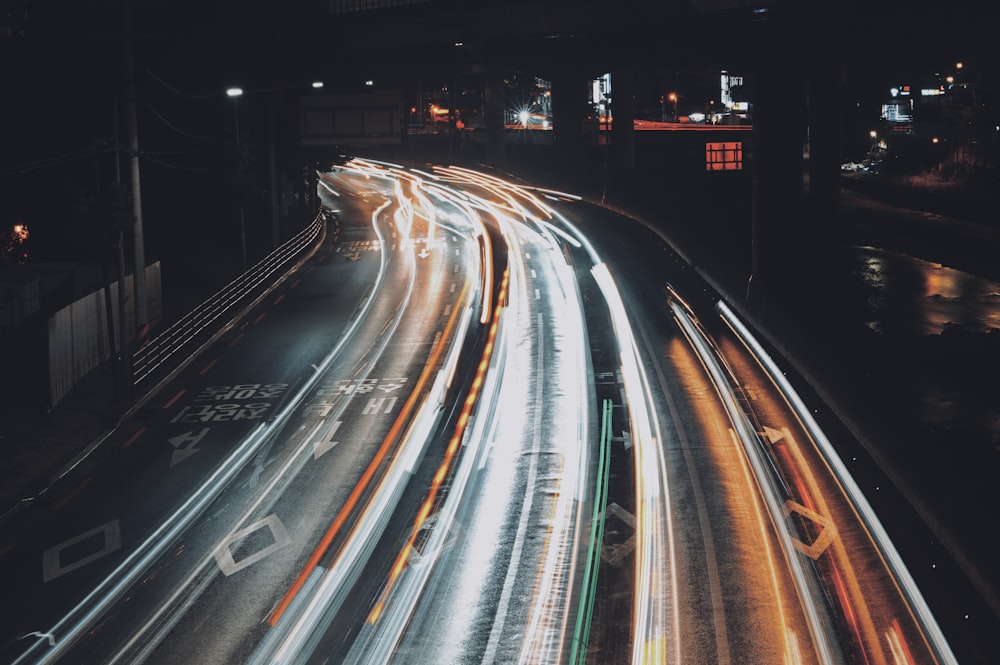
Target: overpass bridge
800	57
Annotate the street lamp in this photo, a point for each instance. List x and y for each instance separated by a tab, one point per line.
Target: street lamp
235	94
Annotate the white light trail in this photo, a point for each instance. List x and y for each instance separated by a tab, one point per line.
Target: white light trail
546	635
656	613
923	615
82	617
770	493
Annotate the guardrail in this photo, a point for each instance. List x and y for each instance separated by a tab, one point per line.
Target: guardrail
165	351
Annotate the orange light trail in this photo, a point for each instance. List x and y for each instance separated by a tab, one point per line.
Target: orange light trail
442	472
897	638
849	612
369	473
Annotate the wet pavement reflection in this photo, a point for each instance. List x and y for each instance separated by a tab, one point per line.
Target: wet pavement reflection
907	295
943	326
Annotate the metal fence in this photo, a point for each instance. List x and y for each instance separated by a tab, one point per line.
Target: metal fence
79	339
168	350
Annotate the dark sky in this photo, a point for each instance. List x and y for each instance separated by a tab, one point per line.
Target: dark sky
60	79
63	73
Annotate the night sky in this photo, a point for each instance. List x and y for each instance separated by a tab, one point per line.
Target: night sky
60	78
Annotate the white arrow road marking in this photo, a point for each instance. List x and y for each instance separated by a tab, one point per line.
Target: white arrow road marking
182	453
772	435
49	636
320	447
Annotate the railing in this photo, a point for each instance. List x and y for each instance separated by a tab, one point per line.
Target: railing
164	351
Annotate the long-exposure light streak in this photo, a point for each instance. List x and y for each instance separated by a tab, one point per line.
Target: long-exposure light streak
355	495
369	473
563	234
547	634
931	632
151	634
506	191
553	192
588	597
656	614
439	477
86	613
547	630
500	617
289	641
845	578
749	442
486	265
328	188
388	619
98	601
376	163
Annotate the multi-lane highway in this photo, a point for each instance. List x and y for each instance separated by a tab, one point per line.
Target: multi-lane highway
479	423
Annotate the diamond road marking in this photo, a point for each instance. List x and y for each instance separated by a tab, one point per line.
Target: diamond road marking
615	553
825	537
53	564
224	555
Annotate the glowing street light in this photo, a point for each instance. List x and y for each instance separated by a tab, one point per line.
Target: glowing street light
672	97
235	93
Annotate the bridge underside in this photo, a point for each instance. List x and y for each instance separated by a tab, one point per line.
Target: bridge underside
798	55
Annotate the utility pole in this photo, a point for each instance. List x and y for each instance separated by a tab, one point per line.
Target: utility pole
119	216
139	250
273	172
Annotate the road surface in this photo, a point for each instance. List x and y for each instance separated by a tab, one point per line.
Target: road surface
483	422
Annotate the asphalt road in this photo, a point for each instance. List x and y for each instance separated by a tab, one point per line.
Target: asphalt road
487	424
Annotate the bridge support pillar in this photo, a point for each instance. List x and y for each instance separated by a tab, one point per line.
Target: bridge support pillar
623	121
778	143
622	149
826	132
569	110
493	117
